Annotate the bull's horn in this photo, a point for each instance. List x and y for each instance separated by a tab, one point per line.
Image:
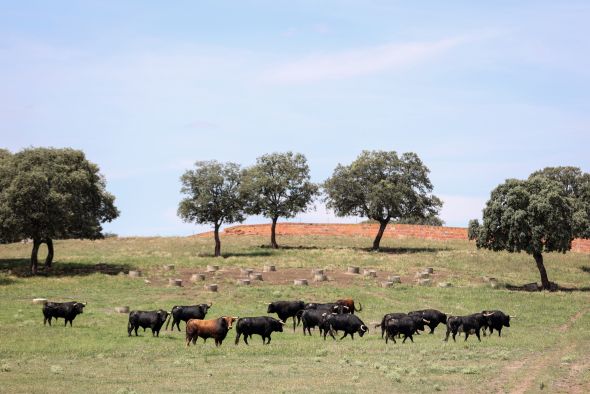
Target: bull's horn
512	316
84	303
426	321
366	328
236	317
282	322
488	314
210	304
344	306
324	314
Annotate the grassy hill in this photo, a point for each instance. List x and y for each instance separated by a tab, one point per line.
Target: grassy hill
548	345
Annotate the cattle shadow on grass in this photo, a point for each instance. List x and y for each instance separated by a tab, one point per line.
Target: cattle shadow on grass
22	268
585	268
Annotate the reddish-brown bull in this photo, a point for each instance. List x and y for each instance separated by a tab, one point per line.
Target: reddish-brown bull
349	303
214	328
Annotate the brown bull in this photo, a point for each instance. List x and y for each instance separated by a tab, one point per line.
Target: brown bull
349	303
214	328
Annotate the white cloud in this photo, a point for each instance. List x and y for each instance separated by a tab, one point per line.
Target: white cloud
360	61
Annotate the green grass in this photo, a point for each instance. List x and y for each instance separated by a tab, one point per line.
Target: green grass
97	354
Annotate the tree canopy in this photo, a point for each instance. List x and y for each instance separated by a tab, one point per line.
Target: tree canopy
278	185
47	194
214	196
541	214
382	186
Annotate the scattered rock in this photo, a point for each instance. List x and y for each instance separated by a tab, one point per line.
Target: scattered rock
212	268
134	274
269	268
320	277
39	300
246	271
243	281
122	309
256	276
424	282
197	277
300	282
445	284
317	271
430	270
353	270
175	282
169	267
395	279
531	287
147	281
422	275
370	273
211	287
387	284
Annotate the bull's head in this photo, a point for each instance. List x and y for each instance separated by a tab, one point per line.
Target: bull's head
271	308
363	330
230	321
279	326
79	307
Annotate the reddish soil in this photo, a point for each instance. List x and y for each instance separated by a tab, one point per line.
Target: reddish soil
396	231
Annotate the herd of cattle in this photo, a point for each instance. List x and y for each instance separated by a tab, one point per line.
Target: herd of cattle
327	317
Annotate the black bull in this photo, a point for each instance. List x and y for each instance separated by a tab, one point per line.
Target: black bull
186	312
152	319
286	309
66	310
262	325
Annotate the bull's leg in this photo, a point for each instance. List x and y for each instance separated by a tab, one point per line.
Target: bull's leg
352	335
432	329
447	335
466	334
267	340
345	334
454	334
246	339
499	332
294	321
188	340
477	335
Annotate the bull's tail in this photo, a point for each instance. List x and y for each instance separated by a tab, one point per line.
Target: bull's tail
360	308
298	316
168	320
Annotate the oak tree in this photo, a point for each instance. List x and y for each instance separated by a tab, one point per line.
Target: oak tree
278	186
48	194
213	196
383	186
543	213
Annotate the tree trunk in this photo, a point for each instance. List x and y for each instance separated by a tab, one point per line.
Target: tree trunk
49	258
544	279
377	241
217	241
34	260
273	236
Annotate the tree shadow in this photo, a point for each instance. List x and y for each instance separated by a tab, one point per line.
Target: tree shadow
554	287
389	250
22	268
256	253
296	247
585	268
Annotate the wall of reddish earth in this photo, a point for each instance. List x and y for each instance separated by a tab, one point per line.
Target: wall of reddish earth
396	231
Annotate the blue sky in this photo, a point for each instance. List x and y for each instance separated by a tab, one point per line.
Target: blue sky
481	91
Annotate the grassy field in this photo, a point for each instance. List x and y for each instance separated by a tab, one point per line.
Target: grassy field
547	347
